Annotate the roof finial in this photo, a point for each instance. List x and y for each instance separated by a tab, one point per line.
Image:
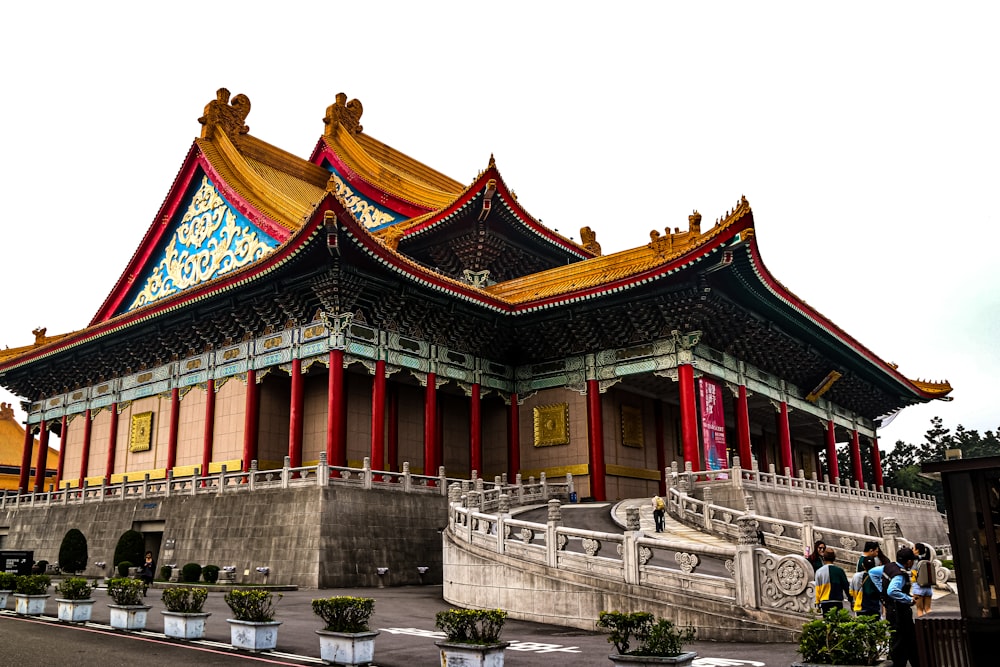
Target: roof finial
493	162
342	112
219	113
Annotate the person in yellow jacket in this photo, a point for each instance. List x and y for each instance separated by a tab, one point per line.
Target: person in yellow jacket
832	587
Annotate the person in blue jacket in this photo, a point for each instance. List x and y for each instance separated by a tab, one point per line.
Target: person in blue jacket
893	581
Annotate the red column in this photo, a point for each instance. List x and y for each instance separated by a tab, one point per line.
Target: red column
689	416
208	440
513	439
22	483
62	452
430	426
85	455
295	416
785	438
336	443
859	475
743	428
112	444
250	420
41	459
877	464
661	450
393	437
595	427
832	467
378	417
475	430
175	420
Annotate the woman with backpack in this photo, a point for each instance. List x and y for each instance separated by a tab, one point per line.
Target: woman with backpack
924	580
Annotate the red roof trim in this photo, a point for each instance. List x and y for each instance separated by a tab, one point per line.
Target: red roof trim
817	318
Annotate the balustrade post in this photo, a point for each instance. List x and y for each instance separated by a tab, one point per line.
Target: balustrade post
253	474
65	498
477	483
519	489
145	485
169	482
286	473
503	513
545	486
808	519
323	470
194	480
889	534
708	498
736	478
442	481
497	482
745	575
569	485
630	549
551	538
366	473
408	480
222	480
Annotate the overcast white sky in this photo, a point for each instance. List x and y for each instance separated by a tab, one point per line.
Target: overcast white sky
864	135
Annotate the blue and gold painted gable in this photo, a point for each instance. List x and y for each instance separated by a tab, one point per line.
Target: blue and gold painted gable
370	214
209	239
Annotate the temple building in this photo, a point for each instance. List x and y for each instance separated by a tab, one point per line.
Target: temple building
12	450
360	304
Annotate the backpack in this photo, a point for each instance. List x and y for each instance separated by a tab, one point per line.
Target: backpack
889	572
660	505
925	574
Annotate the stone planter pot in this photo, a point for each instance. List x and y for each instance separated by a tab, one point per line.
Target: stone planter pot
815	664
253	635
74	611
346	648
471	655
683	660
128	616
181	625
3	599
29	605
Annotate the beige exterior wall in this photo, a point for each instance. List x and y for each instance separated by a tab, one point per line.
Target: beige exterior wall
494	436
359	414
272	435
72	448
411	427
156	456
191	428
453	411
99	432
230	406
314	411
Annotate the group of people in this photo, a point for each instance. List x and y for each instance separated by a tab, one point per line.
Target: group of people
896	586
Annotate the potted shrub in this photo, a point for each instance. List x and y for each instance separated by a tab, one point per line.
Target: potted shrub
346	638
30	594
184	618
73	552
472	637
253	627
660	642
841	639
7	581
128	611
74	602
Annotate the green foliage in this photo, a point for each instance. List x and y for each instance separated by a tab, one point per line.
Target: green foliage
841	639
123	568
130	547
659	638
7	581
166	572
126	591
184	599
73	551
210	573
950	564
344	613
74	588
471	626
251	604
191	572
32	584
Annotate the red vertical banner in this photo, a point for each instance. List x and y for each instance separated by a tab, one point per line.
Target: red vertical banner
713	424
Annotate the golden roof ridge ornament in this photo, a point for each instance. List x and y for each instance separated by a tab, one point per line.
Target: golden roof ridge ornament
229	117
343	113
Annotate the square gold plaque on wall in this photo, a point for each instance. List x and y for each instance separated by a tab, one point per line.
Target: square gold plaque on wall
141	438
631	426
552	425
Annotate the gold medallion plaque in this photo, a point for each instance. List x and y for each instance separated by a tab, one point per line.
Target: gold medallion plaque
142	432
631	426
552	425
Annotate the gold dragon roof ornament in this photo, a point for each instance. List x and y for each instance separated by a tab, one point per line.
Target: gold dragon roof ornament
343	113
229	118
